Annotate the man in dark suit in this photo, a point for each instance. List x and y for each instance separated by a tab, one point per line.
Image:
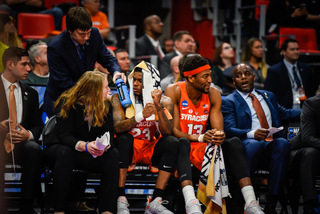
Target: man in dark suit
73	52
248	114
305	153
148	44
183	44
290	80
26	126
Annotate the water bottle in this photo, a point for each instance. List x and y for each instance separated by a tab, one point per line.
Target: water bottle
123	93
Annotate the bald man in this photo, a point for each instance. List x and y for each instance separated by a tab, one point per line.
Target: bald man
174	66
248	114
149	44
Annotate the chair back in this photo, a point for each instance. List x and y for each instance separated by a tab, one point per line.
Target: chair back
34	25
48	136
306	37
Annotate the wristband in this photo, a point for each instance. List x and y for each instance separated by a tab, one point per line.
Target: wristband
139	117
87	147
200	138
29	135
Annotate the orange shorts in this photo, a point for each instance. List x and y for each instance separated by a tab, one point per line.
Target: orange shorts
142	153
197	153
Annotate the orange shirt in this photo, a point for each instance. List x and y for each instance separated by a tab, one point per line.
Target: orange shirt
145	130
193	118
100	20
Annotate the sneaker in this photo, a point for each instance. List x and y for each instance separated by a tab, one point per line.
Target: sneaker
122	205
156	207
193	207
253	208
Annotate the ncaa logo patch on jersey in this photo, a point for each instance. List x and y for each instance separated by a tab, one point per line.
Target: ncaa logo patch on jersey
185	103
206	111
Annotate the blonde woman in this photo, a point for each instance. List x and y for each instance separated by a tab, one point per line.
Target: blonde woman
84	113
10	35
253	56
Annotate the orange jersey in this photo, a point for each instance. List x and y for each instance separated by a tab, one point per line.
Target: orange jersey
193	118
144	130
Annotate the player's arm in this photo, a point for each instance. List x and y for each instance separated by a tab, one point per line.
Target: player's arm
173	91
216	118
120	123
165	125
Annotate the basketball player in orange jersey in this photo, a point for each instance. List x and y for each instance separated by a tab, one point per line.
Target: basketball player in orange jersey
195	104
145	149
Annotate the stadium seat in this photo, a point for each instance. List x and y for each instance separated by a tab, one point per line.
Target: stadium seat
34	25
306	38
260	2
49	3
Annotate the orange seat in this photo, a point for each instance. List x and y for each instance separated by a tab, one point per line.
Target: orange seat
63	23
34	25
49	3
306	37
260	2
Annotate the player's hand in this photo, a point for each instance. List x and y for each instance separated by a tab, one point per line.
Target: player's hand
148	110
18	136
261	134
4	127
156	96
219	137
117	74
93	150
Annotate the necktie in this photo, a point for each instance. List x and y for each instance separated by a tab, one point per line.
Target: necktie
260	113
12	116
159	52
296	77
81	52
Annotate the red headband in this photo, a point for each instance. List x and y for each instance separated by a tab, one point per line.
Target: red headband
197	70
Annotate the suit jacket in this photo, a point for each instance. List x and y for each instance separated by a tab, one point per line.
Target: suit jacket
278	82
65	66
144	47
165	69
75	127
309	135
237	115
31	116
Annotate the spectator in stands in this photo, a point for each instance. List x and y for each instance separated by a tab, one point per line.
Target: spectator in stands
3	47
148	44
305	155
84	114
248	114
74	52
171	78
38	59
253	56
168	45
290	13
10	35
13	7
222	60
123	59
99	19
290	80
21	105
194	98
183	44
159	154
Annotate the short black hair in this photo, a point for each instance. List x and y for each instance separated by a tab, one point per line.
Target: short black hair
178	35
13	54
192	62
119	50
78	18
284	45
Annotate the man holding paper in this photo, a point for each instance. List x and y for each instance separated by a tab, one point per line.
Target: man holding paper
249	114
